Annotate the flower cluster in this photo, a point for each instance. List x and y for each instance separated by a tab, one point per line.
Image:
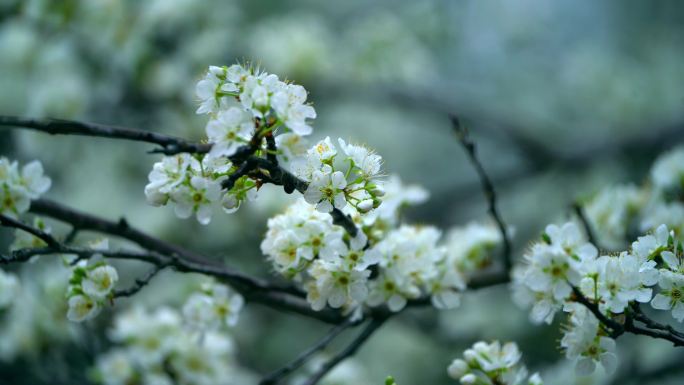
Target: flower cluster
211	307
19	186
9	286
489	364
90	286
385	263
618	213
336	179
564	264
253	113
156	348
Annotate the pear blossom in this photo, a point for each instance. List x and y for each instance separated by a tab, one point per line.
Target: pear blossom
230	129
227	304
288	103
583	343
209	90
82	308
19	187
492	363
549	269
650	246
623	279
367	163
197	198
99	282
167	175
326	190
671	295
33	180
198	312
337	285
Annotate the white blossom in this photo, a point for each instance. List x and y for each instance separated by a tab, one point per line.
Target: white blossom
492	363
198	198
19	187
582	342
671	295
326	190
288	103
82	308
230	129
99	282
167	175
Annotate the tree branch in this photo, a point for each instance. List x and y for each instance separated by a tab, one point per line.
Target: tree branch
617	329
579	211
169	145
45	237
165	255
350	350
139	283
274	377
487	188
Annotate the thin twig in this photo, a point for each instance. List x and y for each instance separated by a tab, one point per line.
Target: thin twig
350	350
274	377
139	283
579	211
641	317
487	188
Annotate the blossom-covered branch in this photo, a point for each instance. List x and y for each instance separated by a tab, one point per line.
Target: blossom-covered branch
487	188
168	144
256	290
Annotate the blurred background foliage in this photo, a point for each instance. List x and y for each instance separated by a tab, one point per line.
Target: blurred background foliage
563	98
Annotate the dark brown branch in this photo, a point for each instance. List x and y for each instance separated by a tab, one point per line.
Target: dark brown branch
139	283
650	323
350	350
45	237
272	149
244	157
274	377
617	329
487	188
579	211
87	222
162	253
169	144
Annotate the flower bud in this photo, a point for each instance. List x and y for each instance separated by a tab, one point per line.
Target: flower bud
457	369
365	206
468	379
470	355
378	191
